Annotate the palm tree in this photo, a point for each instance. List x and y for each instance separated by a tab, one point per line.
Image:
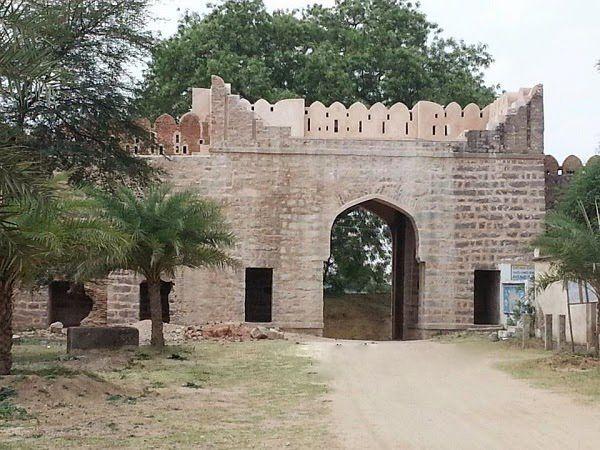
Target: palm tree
572	241
169	230
20	182
573	244
46	229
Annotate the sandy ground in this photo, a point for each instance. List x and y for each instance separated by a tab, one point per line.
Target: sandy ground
431	395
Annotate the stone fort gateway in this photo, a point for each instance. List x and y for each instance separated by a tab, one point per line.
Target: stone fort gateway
463	191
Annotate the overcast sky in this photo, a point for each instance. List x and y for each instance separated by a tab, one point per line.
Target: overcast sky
553	42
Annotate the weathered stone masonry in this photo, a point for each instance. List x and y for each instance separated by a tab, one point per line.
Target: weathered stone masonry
475	195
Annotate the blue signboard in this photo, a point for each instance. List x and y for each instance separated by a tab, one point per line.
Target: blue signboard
511	293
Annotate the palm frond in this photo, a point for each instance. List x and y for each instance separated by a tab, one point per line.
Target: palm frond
169	229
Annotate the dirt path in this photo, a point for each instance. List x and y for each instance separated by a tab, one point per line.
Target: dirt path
436	395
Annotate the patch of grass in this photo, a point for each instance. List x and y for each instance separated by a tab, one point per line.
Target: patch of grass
7	392
570	374
142	356
8	410
358	316
576	375
28	354
177	357
213	395
50	372
27	340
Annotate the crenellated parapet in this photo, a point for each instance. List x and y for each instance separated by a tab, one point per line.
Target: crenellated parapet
513	123
558	176
168	136
426	120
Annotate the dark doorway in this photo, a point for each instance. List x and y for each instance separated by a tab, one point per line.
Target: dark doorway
165	290
486	306
259	294
371	279
68	303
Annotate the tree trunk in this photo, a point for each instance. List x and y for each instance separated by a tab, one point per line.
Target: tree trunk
157	339
6	332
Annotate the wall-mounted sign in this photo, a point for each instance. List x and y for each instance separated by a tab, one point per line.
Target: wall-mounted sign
522	273
511	294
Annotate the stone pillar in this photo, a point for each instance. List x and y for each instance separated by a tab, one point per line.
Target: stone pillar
123	298
561	340
590	325
548	332
219	92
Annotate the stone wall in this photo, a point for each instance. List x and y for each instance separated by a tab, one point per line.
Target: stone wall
425	120
475	203
471	210
558	176
30	309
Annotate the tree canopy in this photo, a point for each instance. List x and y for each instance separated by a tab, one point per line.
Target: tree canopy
583	191
358	50
361	251
64	84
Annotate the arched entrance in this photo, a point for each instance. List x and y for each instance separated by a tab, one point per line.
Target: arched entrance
394	309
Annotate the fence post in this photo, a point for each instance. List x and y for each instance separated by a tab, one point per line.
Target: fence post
561	341
548	332
590	326
597	331
526	329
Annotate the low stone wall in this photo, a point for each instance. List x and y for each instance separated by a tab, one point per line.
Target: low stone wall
86	338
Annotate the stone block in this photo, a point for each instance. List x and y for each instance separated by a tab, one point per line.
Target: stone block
87	338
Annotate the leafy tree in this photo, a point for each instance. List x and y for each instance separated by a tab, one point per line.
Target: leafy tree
44	228
64	85
361	246
370	51
583	190
169	230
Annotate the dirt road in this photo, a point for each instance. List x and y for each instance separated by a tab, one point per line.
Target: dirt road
431	395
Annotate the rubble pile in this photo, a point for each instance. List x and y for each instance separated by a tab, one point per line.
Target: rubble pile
233	332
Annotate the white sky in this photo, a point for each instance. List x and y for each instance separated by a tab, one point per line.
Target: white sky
554	42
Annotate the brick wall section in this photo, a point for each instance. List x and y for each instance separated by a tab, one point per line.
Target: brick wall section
165	128
522	132
500	207
98	292
30	309
470	210
123	293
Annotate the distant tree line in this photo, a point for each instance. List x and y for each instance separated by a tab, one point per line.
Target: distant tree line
358	50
